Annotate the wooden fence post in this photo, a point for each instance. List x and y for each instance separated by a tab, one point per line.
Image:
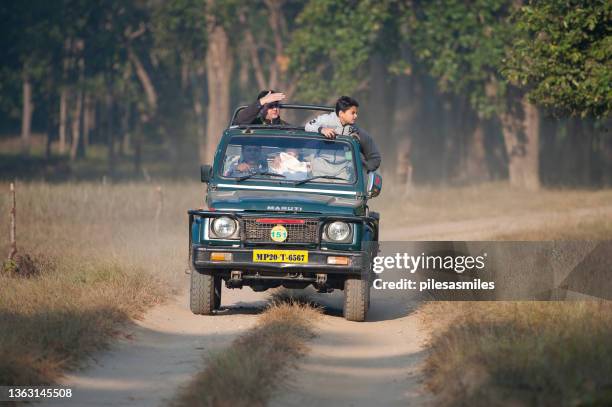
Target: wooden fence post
13	229
160	207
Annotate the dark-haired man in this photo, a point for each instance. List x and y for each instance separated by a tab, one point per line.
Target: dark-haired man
265	110
342	122
250	162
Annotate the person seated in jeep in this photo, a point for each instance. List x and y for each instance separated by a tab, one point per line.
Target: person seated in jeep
288	163
265	110
250	162
342	122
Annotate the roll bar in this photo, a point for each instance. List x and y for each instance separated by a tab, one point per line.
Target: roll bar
287	106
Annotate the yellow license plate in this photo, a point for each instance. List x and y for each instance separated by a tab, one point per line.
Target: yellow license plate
280	256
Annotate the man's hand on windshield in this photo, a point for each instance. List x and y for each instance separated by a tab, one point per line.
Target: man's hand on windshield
271	98
243	167
328	132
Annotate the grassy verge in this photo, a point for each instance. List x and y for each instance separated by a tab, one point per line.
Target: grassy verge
600	229
248	372
540	354
489	200
51	321
102	261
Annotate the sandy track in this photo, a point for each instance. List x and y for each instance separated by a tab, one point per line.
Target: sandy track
488	228
160	353
350	363
354	364
373	363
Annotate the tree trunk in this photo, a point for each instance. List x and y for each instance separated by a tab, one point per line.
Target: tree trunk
198	109
573	151
378	105
550	165
251	48
50	129
606	151
219	64
63	119
126	130
403	126
26	113
63	113
76	125
475	167
87	119
587	151
138	148
77	117
145	81
274	21
110	132
520	128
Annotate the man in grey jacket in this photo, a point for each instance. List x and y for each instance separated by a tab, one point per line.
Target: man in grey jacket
342	122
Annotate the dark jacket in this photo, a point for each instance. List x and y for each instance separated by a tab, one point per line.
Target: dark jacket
252	115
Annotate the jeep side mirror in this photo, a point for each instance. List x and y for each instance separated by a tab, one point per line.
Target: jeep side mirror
205	173
374	184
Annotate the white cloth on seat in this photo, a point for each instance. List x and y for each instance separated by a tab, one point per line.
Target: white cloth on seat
289	166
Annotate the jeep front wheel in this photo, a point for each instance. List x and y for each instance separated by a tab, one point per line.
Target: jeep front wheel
205	293
356	299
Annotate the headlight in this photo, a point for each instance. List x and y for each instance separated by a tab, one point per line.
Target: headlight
224	227
338	231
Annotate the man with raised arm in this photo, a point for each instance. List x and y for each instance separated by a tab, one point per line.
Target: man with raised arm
265	110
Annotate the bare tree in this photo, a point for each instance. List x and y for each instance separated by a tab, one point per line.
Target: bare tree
219	64
79	46
521	127
27	111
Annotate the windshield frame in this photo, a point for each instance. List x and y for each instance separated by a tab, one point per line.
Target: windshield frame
277	180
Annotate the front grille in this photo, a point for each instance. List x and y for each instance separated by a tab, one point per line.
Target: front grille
259	232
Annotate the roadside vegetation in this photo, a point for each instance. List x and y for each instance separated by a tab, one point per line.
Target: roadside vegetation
102	255
591	229
525	353
258	363
520	353
437	204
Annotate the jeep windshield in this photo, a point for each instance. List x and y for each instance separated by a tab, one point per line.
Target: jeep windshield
293	158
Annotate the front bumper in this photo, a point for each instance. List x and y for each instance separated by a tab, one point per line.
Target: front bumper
242	260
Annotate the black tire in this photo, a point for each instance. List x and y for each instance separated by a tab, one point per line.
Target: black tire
205	293
356	299
217	284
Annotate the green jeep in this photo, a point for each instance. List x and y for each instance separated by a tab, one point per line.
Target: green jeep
285	208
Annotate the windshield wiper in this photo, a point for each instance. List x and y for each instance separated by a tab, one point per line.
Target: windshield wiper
317	177
272	174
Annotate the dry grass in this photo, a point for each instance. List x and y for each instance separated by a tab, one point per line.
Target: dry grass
600	229
101	263
521	353
518	353
256	364
444	204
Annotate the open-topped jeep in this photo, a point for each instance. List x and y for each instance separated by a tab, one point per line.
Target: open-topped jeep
285	208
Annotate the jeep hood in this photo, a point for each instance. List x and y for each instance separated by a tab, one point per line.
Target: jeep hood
266	201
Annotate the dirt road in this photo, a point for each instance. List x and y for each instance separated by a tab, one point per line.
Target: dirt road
352	364
488	228
373	363
160	353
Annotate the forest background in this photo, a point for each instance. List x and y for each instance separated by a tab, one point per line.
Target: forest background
453	92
